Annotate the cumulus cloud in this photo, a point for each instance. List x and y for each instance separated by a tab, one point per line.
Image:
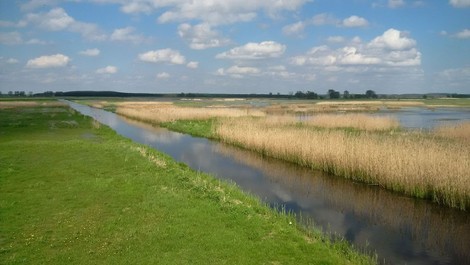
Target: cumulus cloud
201	36
464	34
192	65
253	51
238	71
163	55
57	20
127	34
392	49
460	3
107	70
163	75
91	52
355	21
394	40
48	61
222	12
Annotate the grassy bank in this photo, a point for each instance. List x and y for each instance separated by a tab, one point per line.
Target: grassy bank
72	191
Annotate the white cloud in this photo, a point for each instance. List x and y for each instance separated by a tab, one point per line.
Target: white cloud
222	12
201	36
107	70
464	34
192	65
355	21
127	34
294	29
163	75
238	71
91	52
394	40
57	20
396	3
252	50
48	61
460	3
163	55
324	19
388	50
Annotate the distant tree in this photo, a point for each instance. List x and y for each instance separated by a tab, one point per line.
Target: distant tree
346	94
10	93
299	94
311	95
371	94
30	93
333	94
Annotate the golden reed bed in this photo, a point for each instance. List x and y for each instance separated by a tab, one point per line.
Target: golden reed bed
413	164
166	112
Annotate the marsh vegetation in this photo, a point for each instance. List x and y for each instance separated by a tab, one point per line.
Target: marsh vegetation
432	165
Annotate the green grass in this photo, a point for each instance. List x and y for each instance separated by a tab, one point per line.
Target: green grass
74	192
199	128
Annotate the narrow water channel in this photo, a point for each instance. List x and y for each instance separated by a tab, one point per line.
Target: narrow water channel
400	230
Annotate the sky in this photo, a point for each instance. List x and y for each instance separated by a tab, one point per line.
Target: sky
235	46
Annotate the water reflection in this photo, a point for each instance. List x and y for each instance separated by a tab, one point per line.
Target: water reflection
401	230
423	118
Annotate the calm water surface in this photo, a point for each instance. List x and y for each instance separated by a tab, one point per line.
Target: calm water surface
399	229
424	118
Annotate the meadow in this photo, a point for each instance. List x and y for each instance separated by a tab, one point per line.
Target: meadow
431	165
73	191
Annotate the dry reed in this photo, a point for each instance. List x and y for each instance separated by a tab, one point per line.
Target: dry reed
356	121
460	131
414	165
165	112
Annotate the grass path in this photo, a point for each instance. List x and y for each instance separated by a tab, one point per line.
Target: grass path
74	192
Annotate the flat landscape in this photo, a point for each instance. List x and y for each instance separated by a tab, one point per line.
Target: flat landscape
73	191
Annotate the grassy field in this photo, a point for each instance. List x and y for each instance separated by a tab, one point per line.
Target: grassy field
72	191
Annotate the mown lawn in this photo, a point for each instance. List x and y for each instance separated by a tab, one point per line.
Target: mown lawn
74	192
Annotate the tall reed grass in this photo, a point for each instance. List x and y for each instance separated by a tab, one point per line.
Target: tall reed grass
459	131
411	164
355	121
166	112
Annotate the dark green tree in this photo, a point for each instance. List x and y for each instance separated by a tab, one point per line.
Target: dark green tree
371	94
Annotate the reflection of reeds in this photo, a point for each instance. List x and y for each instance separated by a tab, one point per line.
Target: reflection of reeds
157	112
411	164
460	131
437	230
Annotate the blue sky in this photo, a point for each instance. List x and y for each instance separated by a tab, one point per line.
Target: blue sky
235	46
